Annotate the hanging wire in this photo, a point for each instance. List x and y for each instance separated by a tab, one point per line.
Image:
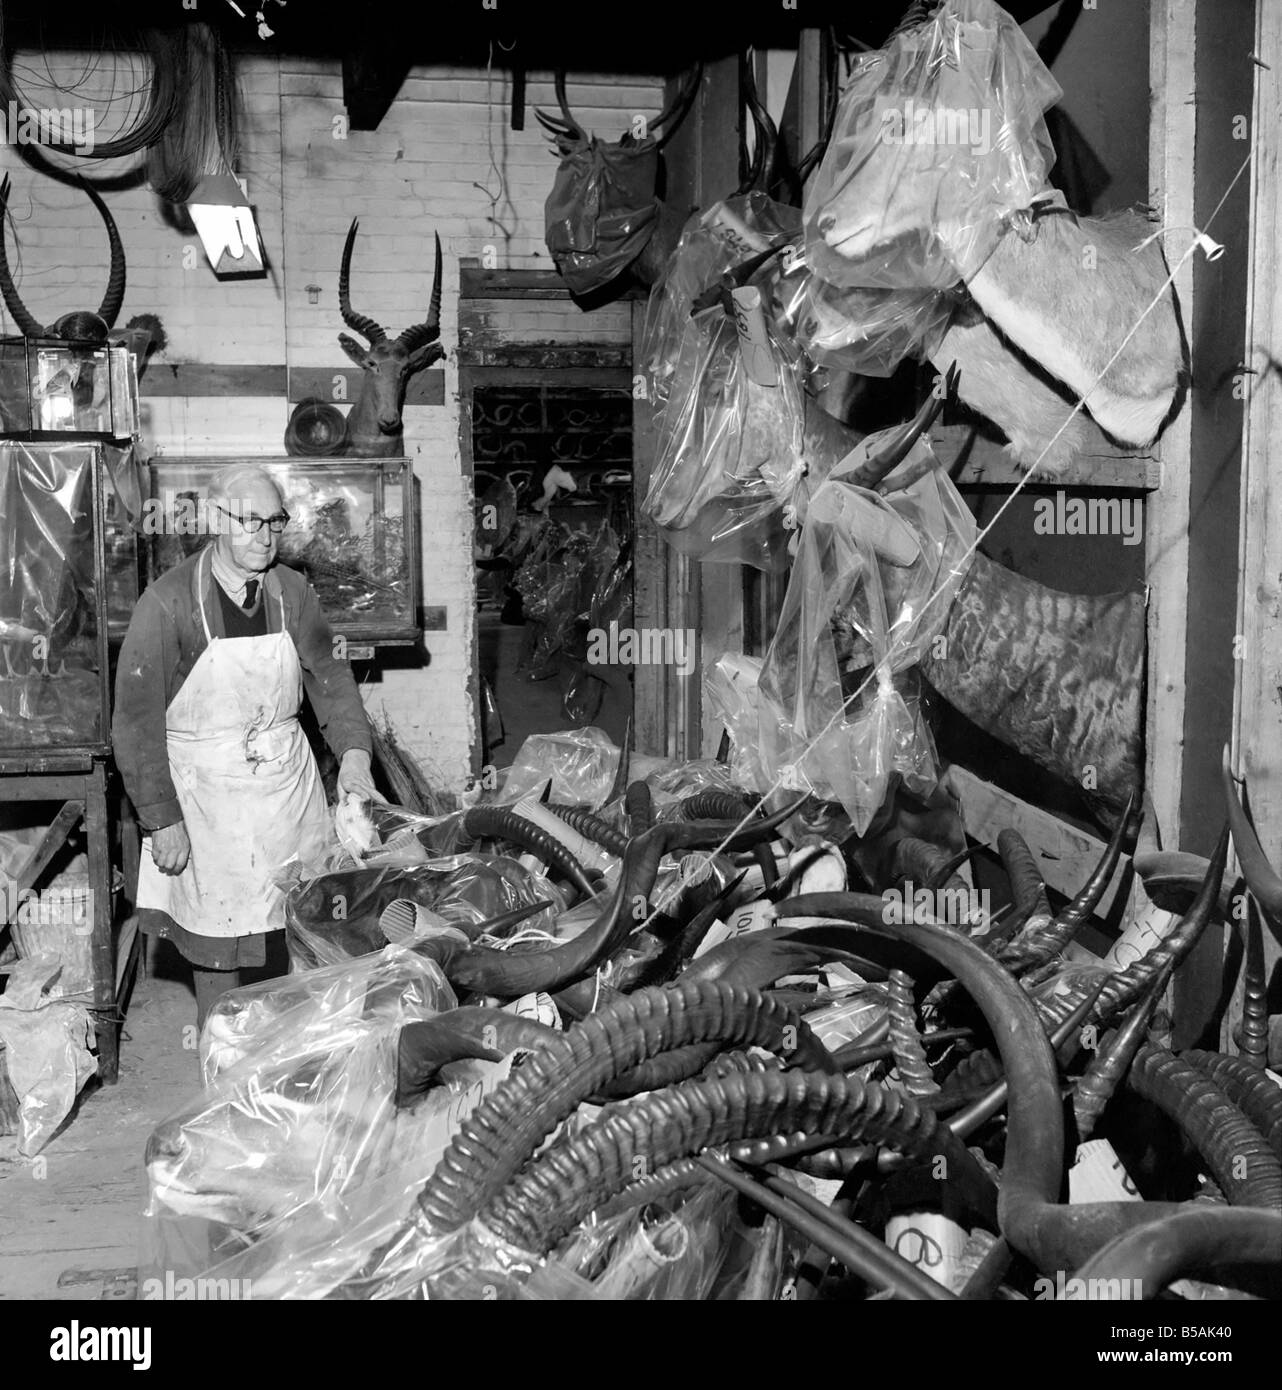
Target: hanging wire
165	100
503	194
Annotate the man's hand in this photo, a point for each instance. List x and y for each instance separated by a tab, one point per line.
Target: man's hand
355	778
170	848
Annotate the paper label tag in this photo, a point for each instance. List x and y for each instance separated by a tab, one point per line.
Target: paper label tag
1150	926
929	1240
1097	1175
754	345
734	230
825	874
539	1007
741	922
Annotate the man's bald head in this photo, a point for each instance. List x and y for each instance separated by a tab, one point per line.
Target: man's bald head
246	490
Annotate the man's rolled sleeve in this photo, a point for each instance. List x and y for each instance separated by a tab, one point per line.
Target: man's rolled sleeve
329	681
147	659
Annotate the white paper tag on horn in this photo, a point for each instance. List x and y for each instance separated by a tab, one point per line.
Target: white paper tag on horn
1150	926
1097	1175
538	1007
741	922
929	1240
754	345
734	230
824	873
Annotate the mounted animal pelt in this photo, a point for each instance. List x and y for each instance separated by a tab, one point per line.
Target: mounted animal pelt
1089	300
374	428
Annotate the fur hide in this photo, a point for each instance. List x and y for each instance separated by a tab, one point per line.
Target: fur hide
997	381
1068	299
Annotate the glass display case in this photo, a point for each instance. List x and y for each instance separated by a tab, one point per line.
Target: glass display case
54	690
52	386
352	532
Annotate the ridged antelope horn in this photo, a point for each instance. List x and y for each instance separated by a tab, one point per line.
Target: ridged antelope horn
1260	876
428	332
29	326
1113	1060
115	295
1041	942
358	323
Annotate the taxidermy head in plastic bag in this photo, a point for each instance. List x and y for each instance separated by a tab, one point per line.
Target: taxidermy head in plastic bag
604	204
939	136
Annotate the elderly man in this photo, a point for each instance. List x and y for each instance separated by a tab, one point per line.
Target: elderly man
207	738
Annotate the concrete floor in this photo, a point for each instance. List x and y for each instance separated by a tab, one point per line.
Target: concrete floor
70	1218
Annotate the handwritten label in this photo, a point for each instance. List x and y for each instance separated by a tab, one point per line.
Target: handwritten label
1148	929
1097	1175
734	230
754	344
929	1240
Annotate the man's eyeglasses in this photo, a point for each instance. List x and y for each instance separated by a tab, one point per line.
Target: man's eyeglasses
254	524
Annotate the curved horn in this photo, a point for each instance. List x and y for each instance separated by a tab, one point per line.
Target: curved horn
420	333
359	323
870	474
575	128
1261	877
679	107
109	309
12	298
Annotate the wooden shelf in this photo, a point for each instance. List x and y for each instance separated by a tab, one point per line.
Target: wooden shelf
986	464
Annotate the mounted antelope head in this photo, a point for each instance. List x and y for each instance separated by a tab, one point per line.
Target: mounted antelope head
374	422
81	325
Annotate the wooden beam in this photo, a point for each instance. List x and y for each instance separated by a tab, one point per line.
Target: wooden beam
1065	855
51	842
476	283
986	464
342	385
1257	714
213	379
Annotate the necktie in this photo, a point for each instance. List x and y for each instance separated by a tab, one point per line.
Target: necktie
251	593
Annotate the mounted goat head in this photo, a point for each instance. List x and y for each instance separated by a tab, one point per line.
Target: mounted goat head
374	422
80	325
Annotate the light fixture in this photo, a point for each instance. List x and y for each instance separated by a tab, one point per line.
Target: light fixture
220	209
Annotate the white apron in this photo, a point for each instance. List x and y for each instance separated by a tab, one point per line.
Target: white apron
249	789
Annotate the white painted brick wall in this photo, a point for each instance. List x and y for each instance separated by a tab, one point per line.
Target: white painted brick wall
415	175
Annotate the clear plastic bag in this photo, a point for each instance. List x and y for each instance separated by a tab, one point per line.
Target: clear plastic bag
870	589
725	236
938	137
854	329
729	451
601	211
287	1174
731	687
337	917
46	1048
582	764
333	1005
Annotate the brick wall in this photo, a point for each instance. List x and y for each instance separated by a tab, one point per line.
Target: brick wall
447	132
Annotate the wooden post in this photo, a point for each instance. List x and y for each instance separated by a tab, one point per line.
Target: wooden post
1171	149
1257	738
